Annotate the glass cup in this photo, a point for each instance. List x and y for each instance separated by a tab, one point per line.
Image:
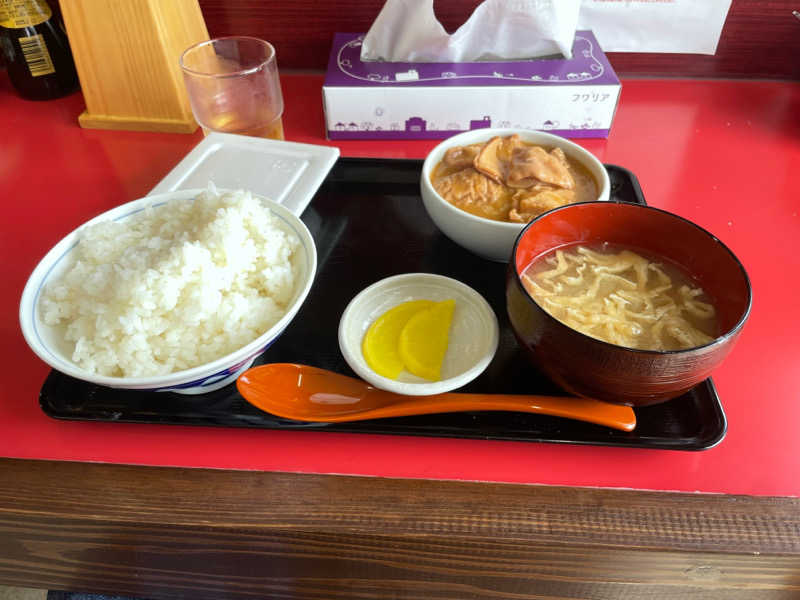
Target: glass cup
233	86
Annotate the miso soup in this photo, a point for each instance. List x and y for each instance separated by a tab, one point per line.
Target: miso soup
619	296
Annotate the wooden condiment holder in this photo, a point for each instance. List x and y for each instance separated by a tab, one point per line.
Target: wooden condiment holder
126	53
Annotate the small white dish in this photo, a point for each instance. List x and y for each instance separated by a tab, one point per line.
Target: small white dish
288	173
474	332
48	344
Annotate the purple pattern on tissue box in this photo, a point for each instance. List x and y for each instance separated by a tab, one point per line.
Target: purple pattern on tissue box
399	100
588	63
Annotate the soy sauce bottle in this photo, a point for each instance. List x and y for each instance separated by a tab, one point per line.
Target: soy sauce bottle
36	50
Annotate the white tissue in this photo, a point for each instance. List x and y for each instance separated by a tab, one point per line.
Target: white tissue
408	31
684	26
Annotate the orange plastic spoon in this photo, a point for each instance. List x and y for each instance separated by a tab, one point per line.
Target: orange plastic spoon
306	393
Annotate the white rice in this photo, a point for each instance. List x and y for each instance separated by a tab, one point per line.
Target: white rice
175	286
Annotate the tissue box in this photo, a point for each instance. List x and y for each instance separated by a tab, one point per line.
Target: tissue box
387	101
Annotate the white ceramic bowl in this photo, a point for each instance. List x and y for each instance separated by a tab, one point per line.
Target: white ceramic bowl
48	344
474	332
485	237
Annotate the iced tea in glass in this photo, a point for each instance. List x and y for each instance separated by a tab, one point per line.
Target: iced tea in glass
233	86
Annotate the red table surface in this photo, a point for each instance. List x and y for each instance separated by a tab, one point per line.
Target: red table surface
721	153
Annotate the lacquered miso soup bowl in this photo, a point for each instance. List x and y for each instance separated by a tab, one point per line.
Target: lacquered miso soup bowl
590	367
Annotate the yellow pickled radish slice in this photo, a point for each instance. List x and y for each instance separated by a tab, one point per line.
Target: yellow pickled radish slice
424	340
381	341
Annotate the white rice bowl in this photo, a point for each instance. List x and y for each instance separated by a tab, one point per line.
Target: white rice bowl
178	291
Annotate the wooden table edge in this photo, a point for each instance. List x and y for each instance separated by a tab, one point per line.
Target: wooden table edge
165	532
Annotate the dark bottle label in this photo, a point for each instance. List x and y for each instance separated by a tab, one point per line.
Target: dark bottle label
36	55
18	14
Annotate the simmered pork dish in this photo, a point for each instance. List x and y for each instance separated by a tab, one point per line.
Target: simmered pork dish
508	179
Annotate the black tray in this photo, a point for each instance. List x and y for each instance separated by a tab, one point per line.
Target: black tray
368	222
